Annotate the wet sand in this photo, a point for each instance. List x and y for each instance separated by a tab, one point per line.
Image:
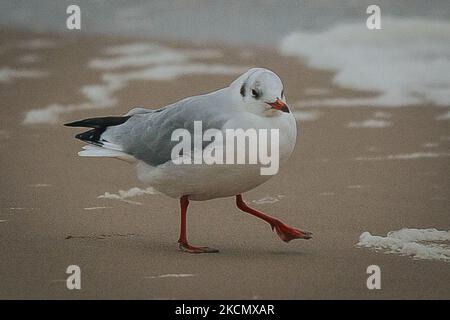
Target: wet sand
121	246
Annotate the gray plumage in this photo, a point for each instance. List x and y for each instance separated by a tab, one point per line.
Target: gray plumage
146	135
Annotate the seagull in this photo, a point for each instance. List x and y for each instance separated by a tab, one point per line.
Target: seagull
255	100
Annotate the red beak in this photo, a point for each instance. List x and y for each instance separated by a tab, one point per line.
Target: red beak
279	105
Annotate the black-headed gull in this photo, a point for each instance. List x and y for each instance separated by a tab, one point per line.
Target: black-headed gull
255	100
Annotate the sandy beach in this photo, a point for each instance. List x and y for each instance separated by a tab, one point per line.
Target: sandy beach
354	170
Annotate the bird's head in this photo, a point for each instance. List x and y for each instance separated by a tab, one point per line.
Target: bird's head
260	91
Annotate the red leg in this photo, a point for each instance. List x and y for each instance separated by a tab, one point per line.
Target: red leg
182	241
285	232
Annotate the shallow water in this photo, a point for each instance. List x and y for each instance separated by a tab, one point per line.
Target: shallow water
406	62
238	22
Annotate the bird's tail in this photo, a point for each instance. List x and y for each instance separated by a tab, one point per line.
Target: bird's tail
99	126
100	147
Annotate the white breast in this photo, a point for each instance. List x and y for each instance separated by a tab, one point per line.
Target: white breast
203	182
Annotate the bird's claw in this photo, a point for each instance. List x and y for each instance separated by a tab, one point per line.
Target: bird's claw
287	233
185	247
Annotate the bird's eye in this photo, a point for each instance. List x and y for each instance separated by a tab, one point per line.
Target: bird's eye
255	93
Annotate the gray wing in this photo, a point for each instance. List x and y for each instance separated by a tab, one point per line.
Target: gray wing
147	134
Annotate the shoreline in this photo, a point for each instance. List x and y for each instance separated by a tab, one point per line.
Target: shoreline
53	216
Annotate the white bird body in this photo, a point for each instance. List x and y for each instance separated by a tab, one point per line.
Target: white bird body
204	181
254	101
199	181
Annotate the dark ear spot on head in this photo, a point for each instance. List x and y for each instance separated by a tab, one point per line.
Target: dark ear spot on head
243	90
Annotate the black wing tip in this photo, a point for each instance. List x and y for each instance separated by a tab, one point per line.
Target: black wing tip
72	124
91	136
98	123
87	123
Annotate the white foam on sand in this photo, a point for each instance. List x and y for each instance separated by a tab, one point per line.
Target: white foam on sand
127	56
143	62
406	62
426	244
145	54
102	95
124	195
268	199
40	185
9	74
406	156
96	208
51	114
428	145
370	123
306	115
357	186
313	91
20	208
28	58
378	121
172	72
382	115
377	101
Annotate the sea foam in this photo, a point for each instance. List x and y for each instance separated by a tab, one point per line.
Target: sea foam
429	244
406	62
406	156
9	74
124	195
144	61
